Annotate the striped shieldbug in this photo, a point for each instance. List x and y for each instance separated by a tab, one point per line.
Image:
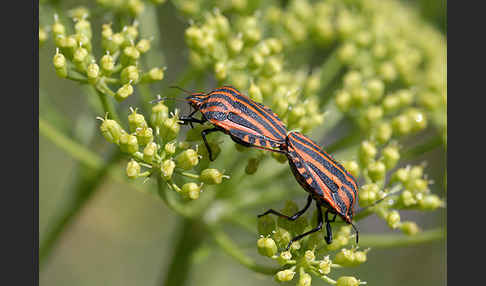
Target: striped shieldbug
249	123
327	181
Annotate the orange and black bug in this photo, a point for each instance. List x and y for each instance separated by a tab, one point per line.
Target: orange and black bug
249	123
327	182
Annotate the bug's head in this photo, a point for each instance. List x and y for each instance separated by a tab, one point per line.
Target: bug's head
196	99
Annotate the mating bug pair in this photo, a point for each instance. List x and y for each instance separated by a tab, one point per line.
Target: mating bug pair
252	124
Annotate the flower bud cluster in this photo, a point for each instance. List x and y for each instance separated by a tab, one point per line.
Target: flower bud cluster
117	71
131	7
302	256
154	150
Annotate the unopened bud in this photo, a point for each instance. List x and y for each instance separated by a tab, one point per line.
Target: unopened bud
133	169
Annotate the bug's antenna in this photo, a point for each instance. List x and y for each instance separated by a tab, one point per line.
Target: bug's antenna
180	88
159	99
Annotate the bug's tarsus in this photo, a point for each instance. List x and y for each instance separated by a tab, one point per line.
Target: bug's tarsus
357	233
203	134
328	236
320	222
294	216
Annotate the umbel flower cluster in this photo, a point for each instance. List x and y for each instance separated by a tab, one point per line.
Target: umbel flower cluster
117	71
157	150
370	67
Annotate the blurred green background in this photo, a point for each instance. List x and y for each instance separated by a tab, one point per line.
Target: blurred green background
125	237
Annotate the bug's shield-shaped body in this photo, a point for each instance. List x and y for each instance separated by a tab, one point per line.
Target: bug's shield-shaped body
247	122
322	176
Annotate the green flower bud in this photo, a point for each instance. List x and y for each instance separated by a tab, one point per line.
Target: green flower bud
256	60
133	169
391	103
347	281
60	65
106	31
402	124
252	166
83	27
191	190
143	46
376	88
130	73
160	113
266	225
284	257
170	148
211	176
296	112
111	130
187	159
352	167
359	257
409	228
343	100
347	52
113	42
79	13
255	93
304	280
167	169
285	275
107	64
136	120
417	119
430	202
235	45
149	152
407	199
390	156
221	71
83	41
345	258
282	237
373	114
80	55
325	266
388	71
383	132
309	256
267	247
393	219
272	67
170	128
131	54
367	152
360	96
154	74
123	92
352	79
128	143
135	7
93	72
144	135
368	194
58	28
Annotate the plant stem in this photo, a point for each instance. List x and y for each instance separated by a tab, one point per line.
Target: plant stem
429	145
398	240
330	69
188	238
108	106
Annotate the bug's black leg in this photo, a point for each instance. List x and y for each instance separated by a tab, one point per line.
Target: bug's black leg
328	236
187	119
293	217
203	134
319	227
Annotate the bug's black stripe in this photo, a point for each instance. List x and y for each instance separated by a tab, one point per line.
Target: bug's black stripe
318	157
208	104
263	111
350	197
249	112
243	122
217	115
